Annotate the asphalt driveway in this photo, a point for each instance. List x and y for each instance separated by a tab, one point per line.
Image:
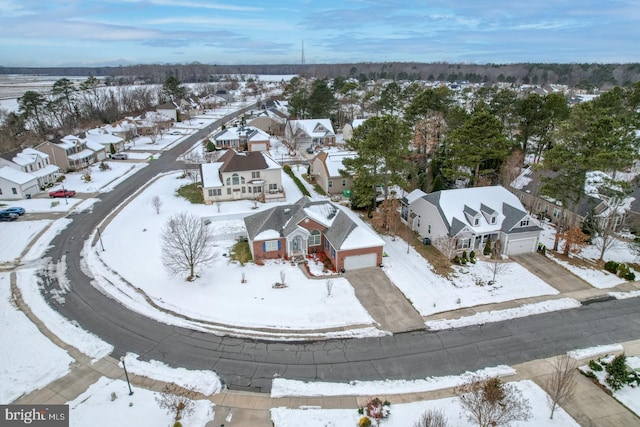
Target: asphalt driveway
384	302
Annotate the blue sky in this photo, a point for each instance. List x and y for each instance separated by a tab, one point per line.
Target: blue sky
123	32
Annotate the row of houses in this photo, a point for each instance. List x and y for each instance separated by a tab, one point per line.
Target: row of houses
468	218
26	172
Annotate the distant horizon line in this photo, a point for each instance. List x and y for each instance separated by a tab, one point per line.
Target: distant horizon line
306	64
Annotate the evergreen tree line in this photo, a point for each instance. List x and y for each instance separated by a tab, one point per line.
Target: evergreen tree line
434	138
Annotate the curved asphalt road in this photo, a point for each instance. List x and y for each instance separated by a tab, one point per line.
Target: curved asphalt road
251	364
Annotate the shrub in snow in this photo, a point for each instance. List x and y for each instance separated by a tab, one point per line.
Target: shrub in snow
617	372
595	366
364	422
432	418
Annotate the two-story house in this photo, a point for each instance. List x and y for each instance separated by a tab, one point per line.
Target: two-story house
310	132
68	153
242	175
326	167
242	138
35	163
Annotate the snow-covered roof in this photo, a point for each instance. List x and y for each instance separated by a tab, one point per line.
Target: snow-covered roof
461	208
413	195
47	170
27	156
343	228
334	161
102	137
314	127
15	175
94	146
83	154
211	175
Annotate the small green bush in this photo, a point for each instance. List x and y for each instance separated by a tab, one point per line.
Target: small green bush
617	373
177	424
630	276
595	366
487	247
611	267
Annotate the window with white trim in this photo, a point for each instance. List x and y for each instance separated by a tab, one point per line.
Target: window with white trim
273	187
556	213
215	192
464	243
271	245
314	238
524	222
255	174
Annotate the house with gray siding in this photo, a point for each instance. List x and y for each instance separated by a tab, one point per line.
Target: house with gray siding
471	216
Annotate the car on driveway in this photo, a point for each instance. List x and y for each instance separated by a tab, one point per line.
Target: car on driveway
15	210
62	193
8	216
119	156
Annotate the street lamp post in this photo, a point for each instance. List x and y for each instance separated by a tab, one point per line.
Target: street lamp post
64	193
126	375
101	245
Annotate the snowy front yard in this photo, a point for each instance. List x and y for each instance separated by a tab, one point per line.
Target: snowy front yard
432	293
619	251
133	251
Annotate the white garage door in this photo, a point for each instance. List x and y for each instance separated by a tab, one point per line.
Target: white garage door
259	147
360	261
521	246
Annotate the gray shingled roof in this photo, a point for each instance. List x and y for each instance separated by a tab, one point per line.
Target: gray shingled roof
340	229
512	217
434	199
456	227
245	161
285	219
487	209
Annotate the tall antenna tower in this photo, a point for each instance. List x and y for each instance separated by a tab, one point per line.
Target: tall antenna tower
302	52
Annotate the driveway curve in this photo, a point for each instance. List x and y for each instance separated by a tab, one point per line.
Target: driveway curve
251	364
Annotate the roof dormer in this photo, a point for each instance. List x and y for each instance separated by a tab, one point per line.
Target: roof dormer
491	215
472	215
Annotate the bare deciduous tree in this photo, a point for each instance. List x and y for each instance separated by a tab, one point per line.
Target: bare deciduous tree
446	245
496	267
432	418
490	402
176	400
186	244
562	383
156	203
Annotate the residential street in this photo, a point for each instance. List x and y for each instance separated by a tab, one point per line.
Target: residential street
250	364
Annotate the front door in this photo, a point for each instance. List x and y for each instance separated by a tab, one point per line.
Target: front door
296	244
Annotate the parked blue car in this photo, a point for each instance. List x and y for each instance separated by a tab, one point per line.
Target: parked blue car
15	209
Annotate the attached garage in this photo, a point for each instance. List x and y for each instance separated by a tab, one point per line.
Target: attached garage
259	146
522	246
355	262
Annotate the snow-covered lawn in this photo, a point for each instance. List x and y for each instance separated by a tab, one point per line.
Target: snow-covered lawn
16	236
29	360
432	293
628	395
101	180
218	295
619	252
97	407
405	414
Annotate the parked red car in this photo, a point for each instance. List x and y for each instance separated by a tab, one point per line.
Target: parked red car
62	193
